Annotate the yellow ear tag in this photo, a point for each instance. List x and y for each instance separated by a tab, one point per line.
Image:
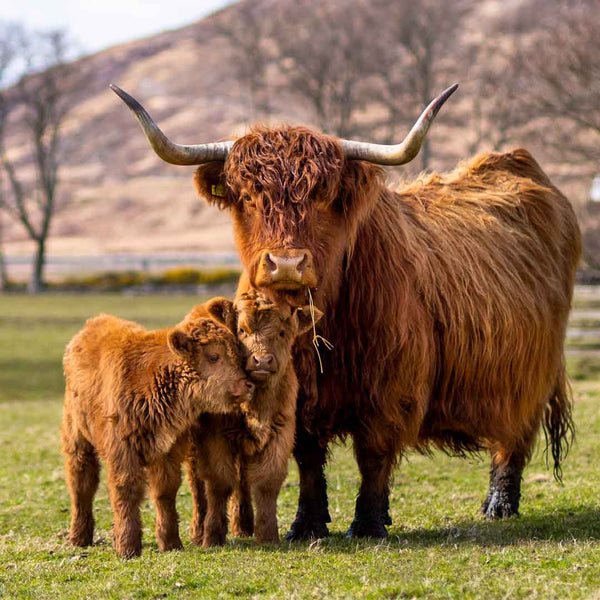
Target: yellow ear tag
218	190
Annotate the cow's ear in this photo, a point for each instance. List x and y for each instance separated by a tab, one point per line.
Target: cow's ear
305	318
180	343
359	189
222	310
209	181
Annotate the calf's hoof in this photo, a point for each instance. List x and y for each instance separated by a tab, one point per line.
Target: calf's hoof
167	546
214	540
302	530
197	534
81	540
128	551
500	506
362	528
82	534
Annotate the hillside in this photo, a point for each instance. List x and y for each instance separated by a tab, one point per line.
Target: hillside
116	195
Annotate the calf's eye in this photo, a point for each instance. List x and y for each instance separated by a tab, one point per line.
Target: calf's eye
213	358
282	333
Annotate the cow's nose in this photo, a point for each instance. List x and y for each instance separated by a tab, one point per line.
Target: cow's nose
286	264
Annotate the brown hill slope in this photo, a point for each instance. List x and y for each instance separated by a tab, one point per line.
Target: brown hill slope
116	195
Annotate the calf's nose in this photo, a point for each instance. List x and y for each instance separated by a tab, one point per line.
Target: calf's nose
262	361
244	388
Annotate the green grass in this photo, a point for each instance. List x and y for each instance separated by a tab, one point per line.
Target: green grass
438	547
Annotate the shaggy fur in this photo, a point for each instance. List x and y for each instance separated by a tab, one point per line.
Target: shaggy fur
227	455
131	397
446	302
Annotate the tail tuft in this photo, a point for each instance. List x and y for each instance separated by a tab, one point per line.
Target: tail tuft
558	425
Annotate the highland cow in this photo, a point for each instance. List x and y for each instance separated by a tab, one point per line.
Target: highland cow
249	457
447	300
131	397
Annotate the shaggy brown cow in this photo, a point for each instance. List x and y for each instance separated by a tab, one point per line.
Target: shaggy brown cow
226	457
446	301
131	397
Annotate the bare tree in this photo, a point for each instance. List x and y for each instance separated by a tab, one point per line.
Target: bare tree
500	107
325	56
41	98
10	35
420	49
247	28
564	71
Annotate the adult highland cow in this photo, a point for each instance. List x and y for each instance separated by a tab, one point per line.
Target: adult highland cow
446	301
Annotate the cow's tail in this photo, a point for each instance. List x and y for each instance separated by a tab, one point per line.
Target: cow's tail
559	428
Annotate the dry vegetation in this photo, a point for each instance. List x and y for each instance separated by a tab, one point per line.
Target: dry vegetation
528	71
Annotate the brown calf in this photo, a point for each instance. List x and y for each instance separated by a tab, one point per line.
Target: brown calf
250	457
131	396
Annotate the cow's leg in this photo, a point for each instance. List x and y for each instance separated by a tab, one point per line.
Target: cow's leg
164	479
198	490
241	515
506	472
372	504
126	487
313	513
82	471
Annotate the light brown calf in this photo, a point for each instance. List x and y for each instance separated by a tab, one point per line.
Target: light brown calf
131	396
249	457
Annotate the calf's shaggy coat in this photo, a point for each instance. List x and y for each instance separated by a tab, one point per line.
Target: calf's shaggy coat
131	397
250	457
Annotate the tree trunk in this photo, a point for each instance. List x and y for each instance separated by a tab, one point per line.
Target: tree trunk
3	273
36	284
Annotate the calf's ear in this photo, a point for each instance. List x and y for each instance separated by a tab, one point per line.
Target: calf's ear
305	320
222	310
209	181
180	343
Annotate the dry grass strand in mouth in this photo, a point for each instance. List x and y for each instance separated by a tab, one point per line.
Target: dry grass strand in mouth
316	337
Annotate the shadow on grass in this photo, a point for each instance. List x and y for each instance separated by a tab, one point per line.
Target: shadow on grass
578	524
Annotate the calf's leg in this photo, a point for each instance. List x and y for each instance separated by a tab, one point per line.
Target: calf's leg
198	489
313	512
126	487
164	479
82	474
241	515
215	523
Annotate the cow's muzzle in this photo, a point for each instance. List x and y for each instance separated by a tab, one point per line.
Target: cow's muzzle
286	269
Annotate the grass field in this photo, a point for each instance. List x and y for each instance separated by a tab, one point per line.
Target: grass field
438	546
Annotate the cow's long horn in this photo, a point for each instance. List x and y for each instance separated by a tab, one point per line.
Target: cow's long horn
176	154
404	152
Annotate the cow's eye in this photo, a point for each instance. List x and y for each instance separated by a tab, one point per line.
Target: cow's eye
246	198
213	358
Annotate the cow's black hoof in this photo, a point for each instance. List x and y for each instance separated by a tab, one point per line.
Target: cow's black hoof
304	529
500	506
367	529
